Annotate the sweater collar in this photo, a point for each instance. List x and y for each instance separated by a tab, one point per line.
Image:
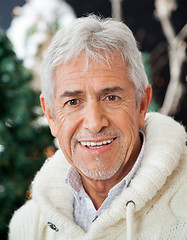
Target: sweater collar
165	142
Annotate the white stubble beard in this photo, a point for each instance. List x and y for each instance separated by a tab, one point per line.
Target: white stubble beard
100	172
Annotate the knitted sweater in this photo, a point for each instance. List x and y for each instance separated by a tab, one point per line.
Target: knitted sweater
158	189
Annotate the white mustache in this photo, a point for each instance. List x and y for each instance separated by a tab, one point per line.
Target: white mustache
87	135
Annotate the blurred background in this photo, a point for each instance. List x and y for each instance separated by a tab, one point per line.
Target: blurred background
26	28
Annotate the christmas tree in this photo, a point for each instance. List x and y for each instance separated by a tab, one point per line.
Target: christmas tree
23	141
153	107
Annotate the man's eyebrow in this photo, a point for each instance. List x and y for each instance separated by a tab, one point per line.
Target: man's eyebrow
71	93
112	89
79	92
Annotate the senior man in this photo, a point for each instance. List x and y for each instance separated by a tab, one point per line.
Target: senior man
120	173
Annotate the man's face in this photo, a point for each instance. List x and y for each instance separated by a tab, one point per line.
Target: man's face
96	118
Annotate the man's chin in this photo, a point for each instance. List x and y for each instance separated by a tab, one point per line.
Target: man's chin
98	173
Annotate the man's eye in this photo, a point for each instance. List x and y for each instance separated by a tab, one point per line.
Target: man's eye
73	102
112	98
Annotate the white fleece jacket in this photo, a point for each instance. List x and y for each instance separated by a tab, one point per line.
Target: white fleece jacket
159	191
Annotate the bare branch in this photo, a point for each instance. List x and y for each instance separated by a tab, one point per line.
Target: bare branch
176	50
116	9
183	33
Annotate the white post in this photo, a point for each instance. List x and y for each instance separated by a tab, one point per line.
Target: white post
116	9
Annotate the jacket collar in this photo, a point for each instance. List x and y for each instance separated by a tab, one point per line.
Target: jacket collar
165	142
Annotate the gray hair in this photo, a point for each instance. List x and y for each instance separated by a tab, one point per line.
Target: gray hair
98	39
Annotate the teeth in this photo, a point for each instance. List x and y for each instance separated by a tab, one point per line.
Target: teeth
84	143
94	144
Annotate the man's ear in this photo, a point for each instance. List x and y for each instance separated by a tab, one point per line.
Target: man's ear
145	101
51	119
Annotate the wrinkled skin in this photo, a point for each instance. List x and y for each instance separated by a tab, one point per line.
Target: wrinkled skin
96	120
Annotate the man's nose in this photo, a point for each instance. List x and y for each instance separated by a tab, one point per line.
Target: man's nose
95	118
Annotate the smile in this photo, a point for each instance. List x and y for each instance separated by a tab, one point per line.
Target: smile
94	145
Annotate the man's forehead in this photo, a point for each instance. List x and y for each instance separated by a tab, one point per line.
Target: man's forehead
81	68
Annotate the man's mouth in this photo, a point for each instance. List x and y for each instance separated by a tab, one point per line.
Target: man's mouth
95	145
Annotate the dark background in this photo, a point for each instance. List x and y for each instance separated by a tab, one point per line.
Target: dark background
139	16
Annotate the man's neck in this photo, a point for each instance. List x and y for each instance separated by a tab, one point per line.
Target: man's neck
98	189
